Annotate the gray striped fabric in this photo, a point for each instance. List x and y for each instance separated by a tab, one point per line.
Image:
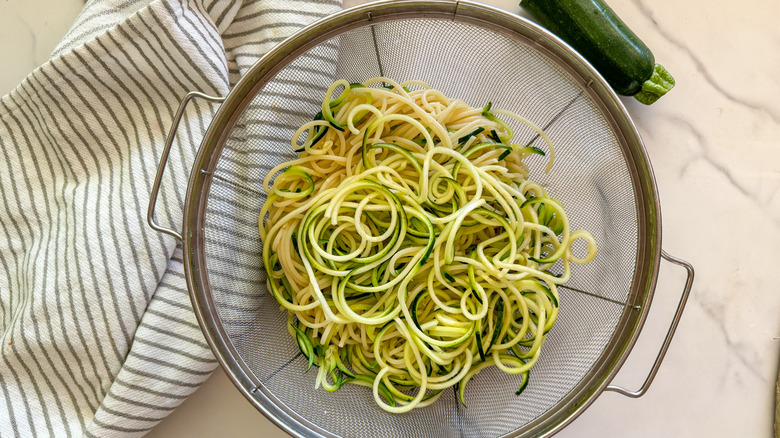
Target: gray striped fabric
98	337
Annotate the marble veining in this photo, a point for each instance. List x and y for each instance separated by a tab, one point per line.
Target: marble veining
704	154
23	38
701	66
746	354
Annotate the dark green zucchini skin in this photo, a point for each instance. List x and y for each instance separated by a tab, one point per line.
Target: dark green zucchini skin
593	29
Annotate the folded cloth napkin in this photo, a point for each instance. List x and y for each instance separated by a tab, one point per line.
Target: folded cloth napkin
97	333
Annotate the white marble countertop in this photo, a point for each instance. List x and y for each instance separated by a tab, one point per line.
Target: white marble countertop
714	143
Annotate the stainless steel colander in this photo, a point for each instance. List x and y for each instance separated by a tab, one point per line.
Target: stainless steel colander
479	54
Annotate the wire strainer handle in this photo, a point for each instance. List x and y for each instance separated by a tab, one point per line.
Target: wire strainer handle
668	340
164	160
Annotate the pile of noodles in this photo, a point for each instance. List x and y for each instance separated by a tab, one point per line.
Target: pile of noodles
409	246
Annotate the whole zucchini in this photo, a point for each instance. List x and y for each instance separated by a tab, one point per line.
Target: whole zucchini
593	29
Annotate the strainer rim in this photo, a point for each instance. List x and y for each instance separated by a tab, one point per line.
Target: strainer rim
644	186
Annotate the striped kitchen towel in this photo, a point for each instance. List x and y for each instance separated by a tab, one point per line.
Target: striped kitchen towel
97	333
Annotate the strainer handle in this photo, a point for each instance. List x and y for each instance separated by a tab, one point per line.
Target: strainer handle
668	340
164	160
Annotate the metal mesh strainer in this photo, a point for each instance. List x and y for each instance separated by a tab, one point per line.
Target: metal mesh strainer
479	54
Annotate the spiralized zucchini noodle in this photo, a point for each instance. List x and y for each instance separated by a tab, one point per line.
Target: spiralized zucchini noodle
409	246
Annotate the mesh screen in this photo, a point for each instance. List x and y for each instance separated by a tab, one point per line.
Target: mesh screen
590	177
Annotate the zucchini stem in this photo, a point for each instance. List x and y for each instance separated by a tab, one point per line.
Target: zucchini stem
660	83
